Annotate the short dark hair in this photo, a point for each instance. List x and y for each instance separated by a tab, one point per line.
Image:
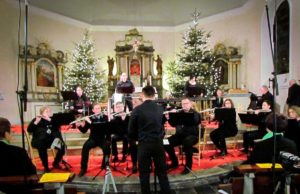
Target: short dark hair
4	127
281	122
148	91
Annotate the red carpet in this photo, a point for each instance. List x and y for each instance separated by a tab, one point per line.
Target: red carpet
95	162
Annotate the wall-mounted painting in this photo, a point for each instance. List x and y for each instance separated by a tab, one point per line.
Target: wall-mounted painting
45	73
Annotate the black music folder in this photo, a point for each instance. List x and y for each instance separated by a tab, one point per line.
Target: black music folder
249	118
181	118
63	118
224	114
125	89
68	95
194	91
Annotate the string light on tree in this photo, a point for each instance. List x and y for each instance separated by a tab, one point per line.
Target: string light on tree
195	58
83	71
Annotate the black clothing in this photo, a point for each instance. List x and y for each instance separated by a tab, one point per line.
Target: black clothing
82	102
120	131
227	128
191	90
263	151
15	161
218	102
293	132
293	98
126	88
99	136
43	135
265	97
186	135
146	125
250	136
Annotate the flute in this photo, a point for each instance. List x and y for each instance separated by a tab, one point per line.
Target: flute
83	118
207	110
170	111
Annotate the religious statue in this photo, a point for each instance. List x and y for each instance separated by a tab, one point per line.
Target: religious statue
159	65
110	62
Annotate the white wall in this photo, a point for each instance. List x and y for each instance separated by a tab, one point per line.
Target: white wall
242	27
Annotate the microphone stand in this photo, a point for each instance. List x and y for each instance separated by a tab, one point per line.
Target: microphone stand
22	94
275	92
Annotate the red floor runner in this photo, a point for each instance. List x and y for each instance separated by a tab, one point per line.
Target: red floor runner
125	168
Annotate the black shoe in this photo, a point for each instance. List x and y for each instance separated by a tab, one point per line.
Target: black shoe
134	169
82	172
185	171
115	159
223	153
46	170
57	166
172	166
123	158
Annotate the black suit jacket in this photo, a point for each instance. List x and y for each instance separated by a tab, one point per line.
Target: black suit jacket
15	161
146	122
265	97
293	95
263	151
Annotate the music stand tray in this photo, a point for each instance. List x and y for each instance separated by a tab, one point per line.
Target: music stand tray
68	95
181	118
224	114
249	118
63	118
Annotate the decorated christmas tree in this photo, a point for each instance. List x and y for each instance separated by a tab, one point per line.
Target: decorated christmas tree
196	59
83	71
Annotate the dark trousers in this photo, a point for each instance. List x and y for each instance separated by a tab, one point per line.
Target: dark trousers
148	152
114	139
250	136
187	142
128	103
43	153
218	138
91	143
133	152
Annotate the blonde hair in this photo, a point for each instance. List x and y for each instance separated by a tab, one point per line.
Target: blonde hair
42	109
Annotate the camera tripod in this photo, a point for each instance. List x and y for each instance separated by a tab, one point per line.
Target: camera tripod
286	182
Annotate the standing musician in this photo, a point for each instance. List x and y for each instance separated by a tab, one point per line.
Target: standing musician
146	126
218	102
46	134
99	136
191	87
81	103
125	83
250	136
186	135
227	128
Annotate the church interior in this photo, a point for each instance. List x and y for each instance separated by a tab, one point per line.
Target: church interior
254	44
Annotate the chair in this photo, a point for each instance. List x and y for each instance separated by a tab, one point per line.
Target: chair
31	150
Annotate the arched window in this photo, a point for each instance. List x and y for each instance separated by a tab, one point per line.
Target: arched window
282	37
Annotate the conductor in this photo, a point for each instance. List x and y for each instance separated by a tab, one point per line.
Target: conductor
146	125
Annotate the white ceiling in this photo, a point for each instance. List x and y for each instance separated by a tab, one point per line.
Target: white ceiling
135	12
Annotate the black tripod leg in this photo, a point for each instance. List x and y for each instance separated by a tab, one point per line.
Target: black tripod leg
97	174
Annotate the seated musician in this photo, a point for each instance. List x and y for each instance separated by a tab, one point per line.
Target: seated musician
250	136
191	86
263	150
99	136
120	131
82	103
293	129
14	160
128	85
186	135
227	128
46	134
218	102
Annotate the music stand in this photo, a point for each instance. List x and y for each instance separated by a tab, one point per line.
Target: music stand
125	89
68	95
249	118
60	119
181	118
194	91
